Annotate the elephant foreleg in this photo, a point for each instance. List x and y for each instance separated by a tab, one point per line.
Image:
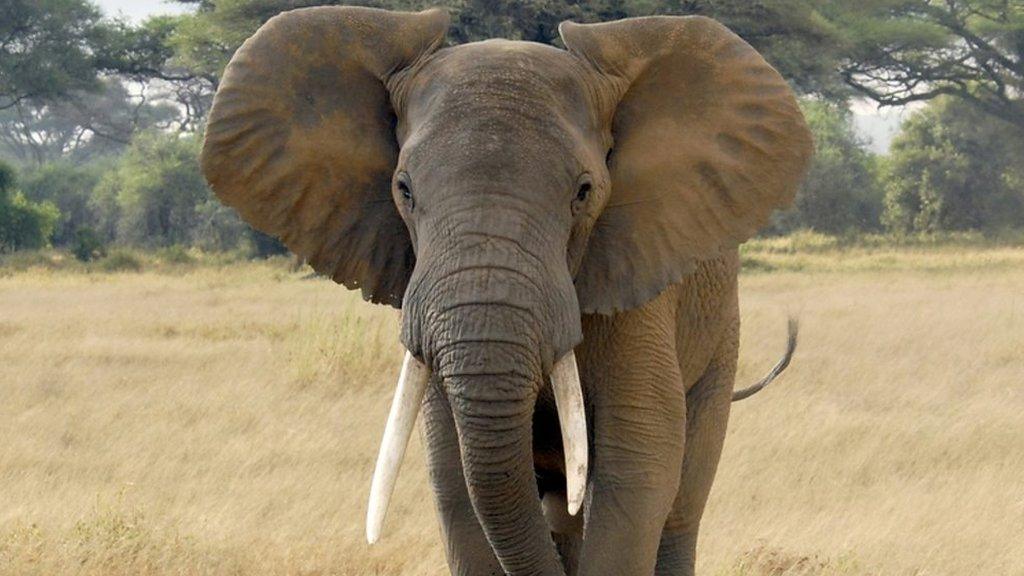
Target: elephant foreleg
707	413
466	546
639	419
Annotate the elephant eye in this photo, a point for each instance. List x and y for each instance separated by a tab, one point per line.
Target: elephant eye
584	185
404	189
583	191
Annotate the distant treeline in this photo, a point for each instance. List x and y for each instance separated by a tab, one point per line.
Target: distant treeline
150	196
101	119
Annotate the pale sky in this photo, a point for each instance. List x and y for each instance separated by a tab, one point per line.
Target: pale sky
139	9
878	125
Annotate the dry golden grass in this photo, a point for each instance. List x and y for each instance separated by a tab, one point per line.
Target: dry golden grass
224	420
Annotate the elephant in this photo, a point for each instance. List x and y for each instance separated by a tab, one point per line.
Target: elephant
559	229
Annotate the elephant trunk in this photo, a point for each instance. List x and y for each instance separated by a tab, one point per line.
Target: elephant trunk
492	319
487	347
493	416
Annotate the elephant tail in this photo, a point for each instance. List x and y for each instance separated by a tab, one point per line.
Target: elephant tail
794	328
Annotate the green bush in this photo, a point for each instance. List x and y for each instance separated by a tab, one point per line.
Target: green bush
220	228
266	246
24	225
69	187
175	255
801	241
152	196
88	245
28	259
120	261
954	168
841	193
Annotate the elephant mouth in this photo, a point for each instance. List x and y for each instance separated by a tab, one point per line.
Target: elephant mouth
412	384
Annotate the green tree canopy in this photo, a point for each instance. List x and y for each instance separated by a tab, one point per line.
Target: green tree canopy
955	168
83	126
902	51
69	187
157	186
63	71
793	34
156	196
842	192
146	54
23	224
45	49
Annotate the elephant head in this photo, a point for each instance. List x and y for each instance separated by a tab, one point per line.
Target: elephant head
495	192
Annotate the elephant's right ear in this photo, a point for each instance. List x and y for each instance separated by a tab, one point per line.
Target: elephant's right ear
301	138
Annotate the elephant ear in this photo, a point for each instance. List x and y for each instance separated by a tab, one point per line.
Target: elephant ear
301	138
708	140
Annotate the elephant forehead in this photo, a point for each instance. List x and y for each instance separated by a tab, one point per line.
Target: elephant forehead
502	77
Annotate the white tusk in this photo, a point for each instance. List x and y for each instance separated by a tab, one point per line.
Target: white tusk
565	382
412	383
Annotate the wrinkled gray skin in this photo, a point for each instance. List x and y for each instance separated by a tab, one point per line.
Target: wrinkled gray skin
497	241
502	173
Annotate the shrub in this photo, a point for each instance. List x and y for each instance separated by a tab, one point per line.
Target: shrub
954	168
841	192
265	246
175	255
88	245
155	191
800	241
24	225
220	228
69	187
29	259
120	261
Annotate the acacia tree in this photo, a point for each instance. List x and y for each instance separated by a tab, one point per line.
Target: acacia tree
794	35
145	55
83	125
903	51
45	49
70	79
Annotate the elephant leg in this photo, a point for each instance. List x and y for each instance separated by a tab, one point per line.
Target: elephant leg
466	547
568	546
566	530
707	414
639	422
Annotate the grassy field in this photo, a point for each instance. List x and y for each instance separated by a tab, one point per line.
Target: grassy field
177	417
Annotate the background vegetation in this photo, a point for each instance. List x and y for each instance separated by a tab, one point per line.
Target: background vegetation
100	119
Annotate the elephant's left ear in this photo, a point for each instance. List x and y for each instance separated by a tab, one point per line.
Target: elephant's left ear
708	140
